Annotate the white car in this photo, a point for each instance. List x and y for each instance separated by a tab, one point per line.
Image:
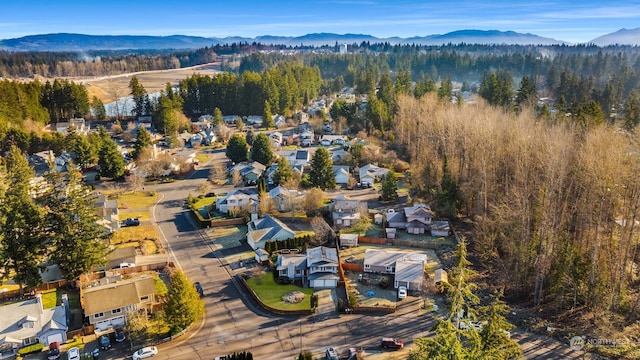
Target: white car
145	352
402	292
73	354
325	142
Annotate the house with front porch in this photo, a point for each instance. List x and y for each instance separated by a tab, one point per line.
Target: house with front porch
106	306
28	322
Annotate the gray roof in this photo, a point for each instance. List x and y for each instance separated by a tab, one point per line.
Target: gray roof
266	228
15	315
298	261
117	295
321	255
410	271
386	258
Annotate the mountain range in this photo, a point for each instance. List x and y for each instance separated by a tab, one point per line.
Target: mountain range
81	42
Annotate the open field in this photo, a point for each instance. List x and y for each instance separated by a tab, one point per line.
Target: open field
110	88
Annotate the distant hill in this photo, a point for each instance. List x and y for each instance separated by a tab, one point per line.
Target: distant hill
620	37
80	42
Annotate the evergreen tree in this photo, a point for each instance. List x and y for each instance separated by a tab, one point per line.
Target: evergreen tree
183	306
425	85
389	187
448	196
85	153
267	117
143	140
496	342
217	117
261	149
97	108
321	173
139	95
526	95
77	240
283	173
239	124
22	245
631	117
110	160
250	136
237	149
446	90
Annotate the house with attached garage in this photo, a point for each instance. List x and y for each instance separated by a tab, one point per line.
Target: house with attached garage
283	199
267	228
341	174
238	200
407	268
317	269
415	219
370	173
107	305
345	212
28	322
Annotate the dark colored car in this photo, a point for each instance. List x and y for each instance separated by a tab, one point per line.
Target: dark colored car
120	335
54	351
391	343
131	222
199	288
105	342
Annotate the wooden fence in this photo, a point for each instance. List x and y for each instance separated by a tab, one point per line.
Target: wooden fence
205	223
369	240
353	267
28	293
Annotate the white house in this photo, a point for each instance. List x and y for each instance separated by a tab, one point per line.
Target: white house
267	228
348	240
300	157
407	268
346	212
341	174
237	199
283	198
440	228
292	266
28	322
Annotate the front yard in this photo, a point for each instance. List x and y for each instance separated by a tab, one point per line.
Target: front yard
271	293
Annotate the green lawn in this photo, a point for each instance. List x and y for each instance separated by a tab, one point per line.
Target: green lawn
52	298
204	202
271	293
137	200
49	299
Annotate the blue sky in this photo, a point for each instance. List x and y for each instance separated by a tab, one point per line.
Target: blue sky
568	20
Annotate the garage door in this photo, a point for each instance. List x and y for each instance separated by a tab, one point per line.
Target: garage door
54	338
324	284
105	324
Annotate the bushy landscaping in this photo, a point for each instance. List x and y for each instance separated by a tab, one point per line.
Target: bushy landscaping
271	293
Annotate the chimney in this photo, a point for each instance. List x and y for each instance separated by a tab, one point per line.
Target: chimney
39	301
65	303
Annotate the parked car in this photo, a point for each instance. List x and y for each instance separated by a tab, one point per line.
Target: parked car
120	335
105	342
145	352
199	288
73	353
131	222
54	351
325	142
124	265
331	354
391	343
402	292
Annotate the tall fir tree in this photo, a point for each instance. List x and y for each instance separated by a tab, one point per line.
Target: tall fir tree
110	160
389	187
261	149
183	305
321	173
237	149
284	172
143	140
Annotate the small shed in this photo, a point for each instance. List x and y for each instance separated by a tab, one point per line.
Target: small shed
440	277
348	240
378	218
391	233
262	256
440	228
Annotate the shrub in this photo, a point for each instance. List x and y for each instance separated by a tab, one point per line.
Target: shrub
384	282
31	349
353	300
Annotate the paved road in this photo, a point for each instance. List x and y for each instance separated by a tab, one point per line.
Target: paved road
234	323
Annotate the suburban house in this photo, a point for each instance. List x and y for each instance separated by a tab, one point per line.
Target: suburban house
279	121
267	228
317	269
407	268
337	155
250	172
108	213
254	120
349	240
230	119
276	138
345	212
341	174
292	266
298	157
322	267
107	305
416	219
370	172
28	322
238	200
283	198
335	139
78	125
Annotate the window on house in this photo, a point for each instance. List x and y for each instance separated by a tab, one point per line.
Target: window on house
367	266
98	315
130	308
116	311
144	298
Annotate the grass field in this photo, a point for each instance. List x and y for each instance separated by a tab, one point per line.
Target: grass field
134	233
271	293
134	213
137	200
204	202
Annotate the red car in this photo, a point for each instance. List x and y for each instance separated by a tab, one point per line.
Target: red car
391	343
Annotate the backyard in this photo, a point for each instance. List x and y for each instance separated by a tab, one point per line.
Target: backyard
271	293
226	237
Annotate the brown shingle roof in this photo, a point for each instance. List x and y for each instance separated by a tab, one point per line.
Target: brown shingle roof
117	295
